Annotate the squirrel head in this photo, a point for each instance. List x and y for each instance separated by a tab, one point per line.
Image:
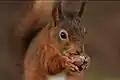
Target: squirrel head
66	34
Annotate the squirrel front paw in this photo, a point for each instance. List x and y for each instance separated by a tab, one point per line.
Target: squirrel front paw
76	63
81	61
68	64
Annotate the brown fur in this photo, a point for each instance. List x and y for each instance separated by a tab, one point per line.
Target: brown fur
43	54
42	58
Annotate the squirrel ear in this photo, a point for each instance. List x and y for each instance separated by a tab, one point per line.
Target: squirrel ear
77	17
57	13
79	14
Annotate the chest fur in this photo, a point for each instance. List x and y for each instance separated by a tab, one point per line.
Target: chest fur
60	76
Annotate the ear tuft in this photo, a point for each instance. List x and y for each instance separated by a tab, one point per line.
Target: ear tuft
81	9
57	13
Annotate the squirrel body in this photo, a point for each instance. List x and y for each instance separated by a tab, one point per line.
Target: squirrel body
35	54
45	55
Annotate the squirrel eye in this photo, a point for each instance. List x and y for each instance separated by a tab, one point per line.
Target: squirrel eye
63	34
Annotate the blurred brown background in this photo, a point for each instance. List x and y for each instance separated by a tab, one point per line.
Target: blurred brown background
102	20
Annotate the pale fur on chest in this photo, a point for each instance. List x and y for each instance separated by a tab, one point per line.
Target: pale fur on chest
60	76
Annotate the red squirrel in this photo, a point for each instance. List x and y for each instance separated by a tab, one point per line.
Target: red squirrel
57	49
